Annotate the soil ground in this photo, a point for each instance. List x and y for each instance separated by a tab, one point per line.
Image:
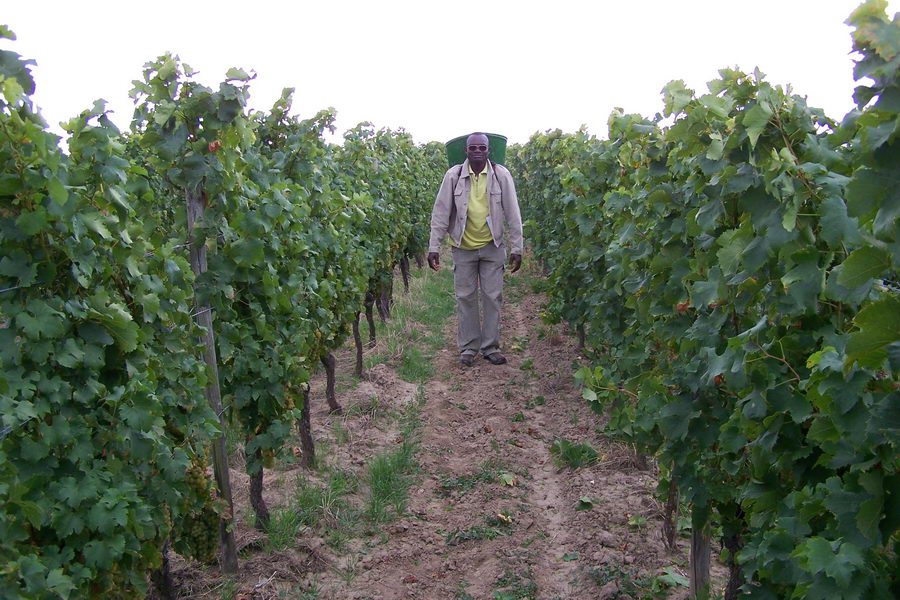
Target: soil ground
490	513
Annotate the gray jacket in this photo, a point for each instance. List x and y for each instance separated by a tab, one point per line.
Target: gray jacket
449	213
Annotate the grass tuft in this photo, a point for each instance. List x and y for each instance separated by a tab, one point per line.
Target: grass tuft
414	334
284	528
390	474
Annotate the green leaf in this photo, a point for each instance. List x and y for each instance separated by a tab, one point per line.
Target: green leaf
676	96
117	196
163	112
869	516
716	147
132	264
235	74
805	281
875	30
879	326
32	222
866	192
709	291
71	354
94	334
508	479
57	191
248	252
99	554
168	69
837	228
756	119
13	67
69	491
849	561
17	266
117	320
817	553
819	556
97	223
718	105
789	220
732	245
228	110
673	578
59	583
825	359
584	503
862	265
823	429
173	142
676	417
754	406
40	321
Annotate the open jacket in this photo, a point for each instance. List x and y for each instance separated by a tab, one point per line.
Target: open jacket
448	217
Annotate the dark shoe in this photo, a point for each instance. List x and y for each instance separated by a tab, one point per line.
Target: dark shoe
495	358
467	360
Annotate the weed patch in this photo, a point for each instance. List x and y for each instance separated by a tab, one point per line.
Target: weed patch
494	526
632	585
572	455
490	473
514	585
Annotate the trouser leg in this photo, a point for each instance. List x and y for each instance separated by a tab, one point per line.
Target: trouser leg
490	275
465	283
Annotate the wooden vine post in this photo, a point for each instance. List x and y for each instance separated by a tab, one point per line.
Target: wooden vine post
700	549
213	394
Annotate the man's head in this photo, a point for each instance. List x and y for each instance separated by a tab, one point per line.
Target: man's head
477	149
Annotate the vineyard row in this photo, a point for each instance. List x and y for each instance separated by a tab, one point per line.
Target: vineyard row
732	269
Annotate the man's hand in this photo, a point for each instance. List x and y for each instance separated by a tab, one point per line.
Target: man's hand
515	260
434	261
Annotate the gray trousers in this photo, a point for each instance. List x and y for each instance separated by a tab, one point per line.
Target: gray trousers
475	270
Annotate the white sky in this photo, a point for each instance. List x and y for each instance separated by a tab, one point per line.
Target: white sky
439	70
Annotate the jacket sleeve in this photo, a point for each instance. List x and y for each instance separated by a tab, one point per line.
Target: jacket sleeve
440	214
511	212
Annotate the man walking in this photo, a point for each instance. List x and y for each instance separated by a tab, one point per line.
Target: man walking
474	201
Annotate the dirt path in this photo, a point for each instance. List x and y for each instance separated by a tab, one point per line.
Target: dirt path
486	422
491	515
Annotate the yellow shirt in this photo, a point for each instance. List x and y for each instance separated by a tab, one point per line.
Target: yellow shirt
477	234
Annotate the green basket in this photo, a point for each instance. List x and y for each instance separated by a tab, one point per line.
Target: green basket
456	148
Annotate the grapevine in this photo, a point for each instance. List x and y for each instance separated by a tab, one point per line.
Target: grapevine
730	270
103	401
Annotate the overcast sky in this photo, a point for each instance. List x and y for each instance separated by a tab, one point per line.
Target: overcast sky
439	70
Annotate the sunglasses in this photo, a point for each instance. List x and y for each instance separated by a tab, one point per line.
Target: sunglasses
481	148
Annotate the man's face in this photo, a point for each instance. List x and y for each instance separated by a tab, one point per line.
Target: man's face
477	148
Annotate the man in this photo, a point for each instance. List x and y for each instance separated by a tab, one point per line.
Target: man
474	201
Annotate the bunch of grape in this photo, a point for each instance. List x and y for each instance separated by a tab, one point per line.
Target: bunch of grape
167	525
198	529
199	533
197	479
